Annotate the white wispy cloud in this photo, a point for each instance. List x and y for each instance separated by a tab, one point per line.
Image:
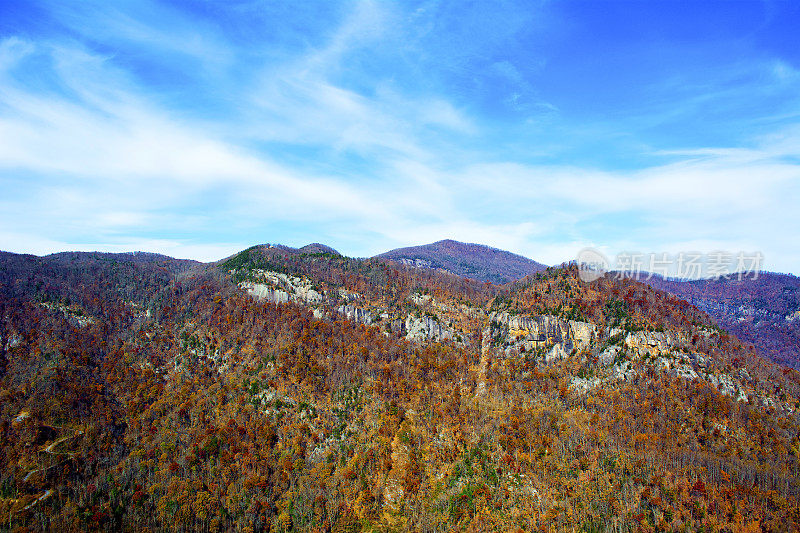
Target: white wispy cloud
310	143
114	160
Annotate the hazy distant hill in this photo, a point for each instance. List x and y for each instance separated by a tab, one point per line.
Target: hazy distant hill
763	311
475	261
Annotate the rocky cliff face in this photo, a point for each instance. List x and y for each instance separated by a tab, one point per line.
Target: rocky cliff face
525	333
264	292
279	288
613	354
355	313
305	295
426	328
618	355
651	342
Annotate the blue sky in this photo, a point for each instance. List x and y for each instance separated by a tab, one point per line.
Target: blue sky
197	129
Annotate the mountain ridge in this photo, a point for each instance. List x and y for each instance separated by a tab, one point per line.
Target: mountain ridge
764	311
253	391
471	260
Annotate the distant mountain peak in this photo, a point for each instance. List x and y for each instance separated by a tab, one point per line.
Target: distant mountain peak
318	248
272	248
470	260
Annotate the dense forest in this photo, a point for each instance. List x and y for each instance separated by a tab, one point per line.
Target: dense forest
474	261
763	310
139	392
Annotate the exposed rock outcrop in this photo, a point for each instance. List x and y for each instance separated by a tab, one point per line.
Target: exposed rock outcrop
355	313
583	333
556	353
277	287
609	355
726	385
650	342
527	333
623	371
261	291
426	328
582	385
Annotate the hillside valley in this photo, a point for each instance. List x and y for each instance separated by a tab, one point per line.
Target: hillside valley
764	311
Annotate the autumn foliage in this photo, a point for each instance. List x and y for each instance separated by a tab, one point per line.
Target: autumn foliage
183	403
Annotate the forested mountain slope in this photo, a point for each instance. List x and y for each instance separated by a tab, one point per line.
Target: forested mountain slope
280	390
475	261
764	311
